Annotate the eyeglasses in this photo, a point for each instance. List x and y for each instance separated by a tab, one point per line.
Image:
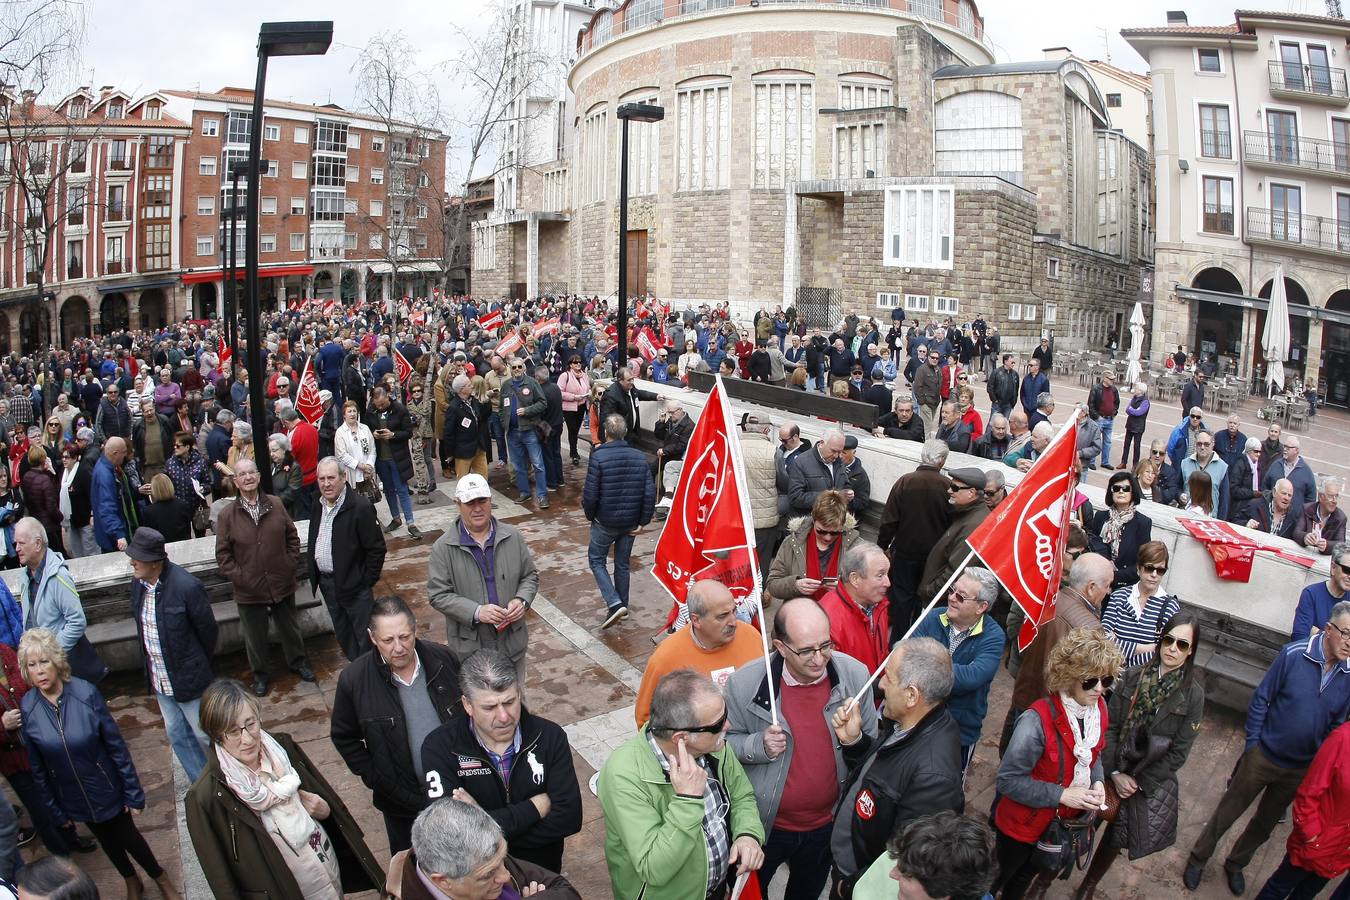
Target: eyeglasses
1157	452
1154	570
714	728
252	726
824	649
1196	418
1074	553
826	532
958	488
990	495
1343	632
1122	488
955	594
1180	643
1345	569
1105	681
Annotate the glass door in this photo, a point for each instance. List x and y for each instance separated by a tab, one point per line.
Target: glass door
1319	69
1282	133
1286	208
1343	222
1291	63
1340	142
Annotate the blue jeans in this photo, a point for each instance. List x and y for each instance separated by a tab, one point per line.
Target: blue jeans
1107	426
615	590
498	435
395	491
185	734
526	452
1000	409
807	854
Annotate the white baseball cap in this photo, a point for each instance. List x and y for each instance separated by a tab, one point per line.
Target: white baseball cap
472	487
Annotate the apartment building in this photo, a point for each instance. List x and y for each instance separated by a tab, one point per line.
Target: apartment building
1252	149
89	229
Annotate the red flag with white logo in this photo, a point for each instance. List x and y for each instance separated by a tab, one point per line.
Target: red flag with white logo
645	344
492	321
307	402
402	367
419	318
225	355
546	326
509	344
1022	540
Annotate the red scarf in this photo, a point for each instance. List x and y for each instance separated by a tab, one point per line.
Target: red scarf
813	561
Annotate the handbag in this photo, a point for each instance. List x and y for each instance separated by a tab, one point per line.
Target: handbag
85	662
1112	803
1066	843
370	489
543	429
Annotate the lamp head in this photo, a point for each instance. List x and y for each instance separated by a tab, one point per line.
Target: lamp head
641	112
294	38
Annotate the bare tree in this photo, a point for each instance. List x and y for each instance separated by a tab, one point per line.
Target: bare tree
40	40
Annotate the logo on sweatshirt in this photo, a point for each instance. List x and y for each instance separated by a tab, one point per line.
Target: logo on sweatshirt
866	805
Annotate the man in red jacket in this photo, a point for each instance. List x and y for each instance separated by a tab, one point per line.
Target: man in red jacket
858	609
305	449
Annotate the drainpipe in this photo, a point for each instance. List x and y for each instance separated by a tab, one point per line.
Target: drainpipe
1246	363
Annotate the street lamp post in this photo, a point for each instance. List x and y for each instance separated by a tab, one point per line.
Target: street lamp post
628	112
237	170
274	39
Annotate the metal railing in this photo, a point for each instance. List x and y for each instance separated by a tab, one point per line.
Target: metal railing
74	270
1218	219
1290	150
1310	232
113	267
1216	144
1322	81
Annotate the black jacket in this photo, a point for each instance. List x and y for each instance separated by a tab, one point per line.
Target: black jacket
879	396
187	630
171	518
914	776
1259	508
1177	720
910	431
358	544
464	440
674	437
1240	491
553	414
167	427
369	730
1137	532
986	446
614	400
453	758
1003	386
81	509
394	417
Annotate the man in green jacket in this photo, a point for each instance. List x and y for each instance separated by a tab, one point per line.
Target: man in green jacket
681	821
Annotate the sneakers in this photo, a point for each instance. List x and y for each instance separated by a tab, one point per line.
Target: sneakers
414	532
522	497
543	502
26	836
393	526
665	502
613	616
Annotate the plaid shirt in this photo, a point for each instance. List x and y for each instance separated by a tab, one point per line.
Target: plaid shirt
21	409
503	761
716	827
323	542
154	653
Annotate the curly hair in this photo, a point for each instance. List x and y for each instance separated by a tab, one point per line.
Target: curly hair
37	643
1082	653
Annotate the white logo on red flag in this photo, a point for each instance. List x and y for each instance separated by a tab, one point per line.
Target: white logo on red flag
509	344
225	355
646	346
1022	541
307	402
402	367
492	321
1232	551
546	326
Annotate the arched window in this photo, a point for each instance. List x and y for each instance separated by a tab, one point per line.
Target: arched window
979	133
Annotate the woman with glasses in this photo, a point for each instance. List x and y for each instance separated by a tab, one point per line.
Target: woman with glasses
807	563
1121	529
263	820
53	438
965	408
1131	615
1154	717
1146	476
76	505
576	393
1053	765
188	471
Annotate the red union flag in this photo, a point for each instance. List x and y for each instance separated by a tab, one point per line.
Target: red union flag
1022	541
509	344
307	401
225	354
1232	551
402	367
492	321
546	326
709	532
646	346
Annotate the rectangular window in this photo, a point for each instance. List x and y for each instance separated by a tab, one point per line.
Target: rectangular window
74	259
159	152
272	168
157	197
784	123
422	211
863	94
423	180
77	197
114	255
1028	312
376	242
329	171
206	165
206	246
916	303
1052	267
117	201
349	207
703	125
328	206
376	208
156	247
301	134
1343	222
297	240
117	155
1218	213
298	170
377	144
210	128
420	241
331	137
353	141
1014	312
860	150
206	206
271	132
1207	60
349	241
919	224
79	157
377	176
1113	100
353	173
297	206
1216	133
267	243
268	206
594	174
948	306
888	300
238	127
644	154
1282	136
1286	212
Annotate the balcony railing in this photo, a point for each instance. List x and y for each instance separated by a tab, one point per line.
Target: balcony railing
75	218
1216	144
1218	219
79	165
1310	232
118	164
1304	152
115	213
74	270
114	267
1321	81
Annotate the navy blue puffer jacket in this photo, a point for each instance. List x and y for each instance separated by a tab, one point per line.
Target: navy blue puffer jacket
620	492
83	763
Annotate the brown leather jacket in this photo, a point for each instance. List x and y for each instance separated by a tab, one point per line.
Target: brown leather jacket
261	559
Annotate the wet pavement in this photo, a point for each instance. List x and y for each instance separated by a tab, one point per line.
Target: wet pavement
586	680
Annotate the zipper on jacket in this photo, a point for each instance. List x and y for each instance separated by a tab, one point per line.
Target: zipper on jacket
61	730
234	843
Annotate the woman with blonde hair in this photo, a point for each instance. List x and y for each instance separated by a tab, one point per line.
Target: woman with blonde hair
165	513
241	447
1146	475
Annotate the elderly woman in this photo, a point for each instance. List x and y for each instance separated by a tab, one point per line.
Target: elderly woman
420	414
1136	419
188	471
1132	615
166	513
42	496
466	436
1121	529
263	821
241	447
167	393
1053	767
576	393
76	510
1154	717
807	562
1146	476
287	479
354	447
81	762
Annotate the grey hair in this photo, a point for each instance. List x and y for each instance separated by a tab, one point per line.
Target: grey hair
1339	549
1043	429
329	461
994	420
286	411
1043	399
452	838
1252	444
241	464
281	440
1141	388
616	429
1340	609
856	557
934	452
988	584
948	405
696	601
243	430
1088	568
487	670
461	381
1324	482
994	480
31	527
672	707
926	665
224	417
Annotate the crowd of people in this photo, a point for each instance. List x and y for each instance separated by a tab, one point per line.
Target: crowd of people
723	776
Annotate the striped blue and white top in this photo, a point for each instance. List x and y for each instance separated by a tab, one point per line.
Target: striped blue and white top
1133	623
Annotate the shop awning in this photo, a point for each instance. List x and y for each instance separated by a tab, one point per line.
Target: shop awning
265	272
137	285
1261	303
417	265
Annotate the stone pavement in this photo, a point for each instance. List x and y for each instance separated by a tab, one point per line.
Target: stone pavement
586	680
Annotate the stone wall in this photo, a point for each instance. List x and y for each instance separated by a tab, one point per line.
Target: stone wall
496	282
699	261
1087	297
555	257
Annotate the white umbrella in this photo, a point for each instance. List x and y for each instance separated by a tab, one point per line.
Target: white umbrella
1134	370
1275	338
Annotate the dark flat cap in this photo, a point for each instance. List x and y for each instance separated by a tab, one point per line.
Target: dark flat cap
970	476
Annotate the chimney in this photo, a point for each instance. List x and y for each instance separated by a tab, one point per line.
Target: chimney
1177	17
104	91
29	98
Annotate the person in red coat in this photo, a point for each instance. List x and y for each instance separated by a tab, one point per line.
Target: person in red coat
859	611
1319	846
743	348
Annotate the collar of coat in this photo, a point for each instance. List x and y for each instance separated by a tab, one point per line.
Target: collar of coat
776	670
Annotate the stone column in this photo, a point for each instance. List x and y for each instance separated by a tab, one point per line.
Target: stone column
361	284
1313	365
792	263
532	255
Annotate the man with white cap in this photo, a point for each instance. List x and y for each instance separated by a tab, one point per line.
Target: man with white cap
482	578
328	423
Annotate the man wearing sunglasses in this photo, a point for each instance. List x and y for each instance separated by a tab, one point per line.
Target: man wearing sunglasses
1302	697
1316	601
967	509
1181	442
1204	459
681	819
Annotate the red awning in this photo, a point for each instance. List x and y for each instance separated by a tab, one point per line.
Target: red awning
273	272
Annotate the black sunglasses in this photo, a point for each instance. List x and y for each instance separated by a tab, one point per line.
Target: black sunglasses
1121	488
714	728
827	532
1181	643
1154	570
1345	570
1106	681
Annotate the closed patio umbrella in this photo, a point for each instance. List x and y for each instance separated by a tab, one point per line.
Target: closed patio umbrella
1134	369
1275	338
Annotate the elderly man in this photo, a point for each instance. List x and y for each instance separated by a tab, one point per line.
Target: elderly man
901	423
790	446
858	607
1181	442
857	484
821	469
995	488
177	630
622	398
258	552
975	640
1103	405
48	599
1295	468
927	389
1244	482
1275	511
965	496
113	418
1045	408
514	765
151	440
911	768
1303	696
785	761
1089	437
346	556
113	498
1231	443
673	429
218	442
681	819
459	851
952	430
1316	601
386	704
715	643
1003	386
1021	458
916	508
617	500
523	406
481	576
1204	459
1034	385
995	442
1322	524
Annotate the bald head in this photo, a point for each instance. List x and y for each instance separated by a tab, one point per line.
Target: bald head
115	450
800	620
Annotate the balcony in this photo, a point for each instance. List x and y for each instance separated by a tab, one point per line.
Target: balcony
1216	144
74	270
1277	151
1321	84
119	164
115	213
1217	219
1317	234
75	218
114	267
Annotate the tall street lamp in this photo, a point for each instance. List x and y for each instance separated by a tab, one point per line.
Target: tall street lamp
238	170
628	112
274	39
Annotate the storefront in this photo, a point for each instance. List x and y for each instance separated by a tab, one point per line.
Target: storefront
276	285
1334	383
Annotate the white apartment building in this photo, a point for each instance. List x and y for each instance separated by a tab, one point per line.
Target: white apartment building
1252	151
1128	94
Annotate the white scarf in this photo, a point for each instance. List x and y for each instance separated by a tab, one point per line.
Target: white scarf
1086	724
275	800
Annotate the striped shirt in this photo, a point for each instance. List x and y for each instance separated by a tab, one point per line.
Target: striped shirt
154	652
1133	624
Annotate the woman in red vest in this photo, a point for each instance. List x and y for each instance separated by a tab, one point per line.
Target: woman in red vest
1052	766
